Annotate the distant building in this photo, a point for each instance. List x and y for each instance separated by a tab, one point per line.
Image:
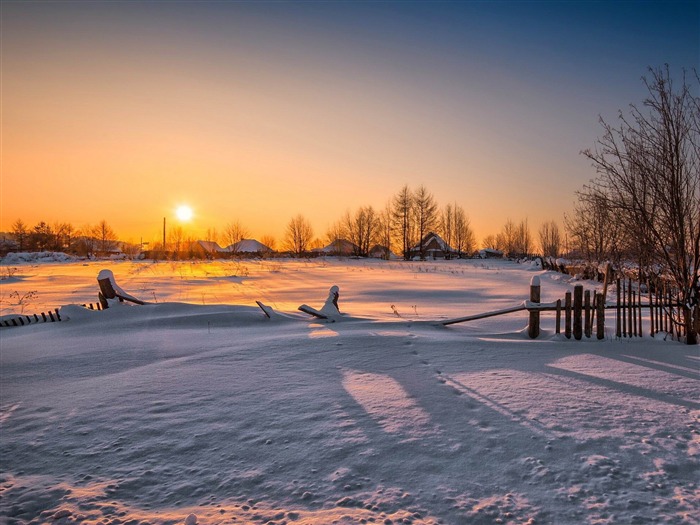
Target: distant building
249	247
210	247
338	247
490	253
381	252
434	247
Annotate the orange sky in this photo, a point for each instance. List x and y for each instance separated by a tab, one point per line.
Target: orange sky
256	112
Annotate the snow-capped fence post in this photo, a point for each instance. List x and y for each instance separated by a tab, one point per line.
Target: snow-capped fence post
567	314
578	310
533	326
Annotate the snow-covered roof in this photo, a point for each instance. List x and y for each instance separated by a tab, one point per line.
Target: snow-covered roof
248	246
440	241
338	246
210	246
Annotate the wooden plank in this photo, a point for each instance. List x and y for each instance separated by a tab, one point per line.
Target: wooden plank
485	315
266	309
312	311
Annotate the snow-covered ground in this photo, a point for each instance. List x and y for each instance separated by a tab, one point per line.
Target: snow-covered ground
198	408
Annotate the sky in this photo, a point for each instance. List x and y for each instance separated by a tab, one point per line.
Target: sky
258	111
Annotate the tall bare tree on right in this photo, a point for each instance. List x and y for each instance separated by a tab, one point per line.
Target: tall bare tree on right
649	171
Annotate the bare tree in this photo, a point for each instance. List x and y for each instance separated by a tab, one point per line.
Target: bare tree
523	239
425	215
233	234
211	235
507	238
85	243
550	239
402	218
361	229
490	242
269	241
299	235
384	230
176	240
463	235
335	234
105	236
649	170
595	228
447	224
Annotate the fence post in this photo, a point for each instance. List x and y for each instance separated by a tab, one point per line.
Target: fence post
618	319
639	311
558	322
633	309
600	316
567	313
651	310
578	310
533	327
587	312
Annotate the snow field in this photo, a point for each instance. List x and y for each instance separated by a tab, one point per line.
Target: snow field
209	412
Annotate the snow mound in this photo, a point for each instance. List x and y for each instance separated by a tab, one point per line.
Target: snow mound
37	257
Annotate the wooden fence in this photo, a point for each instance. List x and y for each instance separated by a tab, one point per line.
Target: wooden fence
21	320
659	299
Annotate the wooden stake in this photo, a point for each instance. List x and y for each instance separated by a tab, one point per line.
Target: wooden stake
558	321
567	313
587	312
533	327
578	310
600	317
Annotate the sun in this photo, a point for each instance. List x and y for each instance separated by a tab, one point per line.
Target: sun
184	213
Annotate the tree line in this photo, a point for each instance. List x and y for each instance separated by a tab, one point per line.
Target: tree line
88	240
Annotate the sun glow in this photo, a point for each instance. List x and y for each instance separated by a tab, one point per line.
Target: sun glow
184	213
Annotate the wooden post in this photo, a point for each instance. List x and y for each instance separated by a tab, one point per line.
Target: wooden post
587	312
533	327
600	316
665	310
639	311
558	322
651	311
622	298
633	309
58	316
567	313
629	307
659	312
670	311
578	310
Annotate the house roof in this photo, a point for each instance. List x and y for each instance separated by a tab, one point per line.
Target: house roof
339	245
440	241
210	246
248	246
